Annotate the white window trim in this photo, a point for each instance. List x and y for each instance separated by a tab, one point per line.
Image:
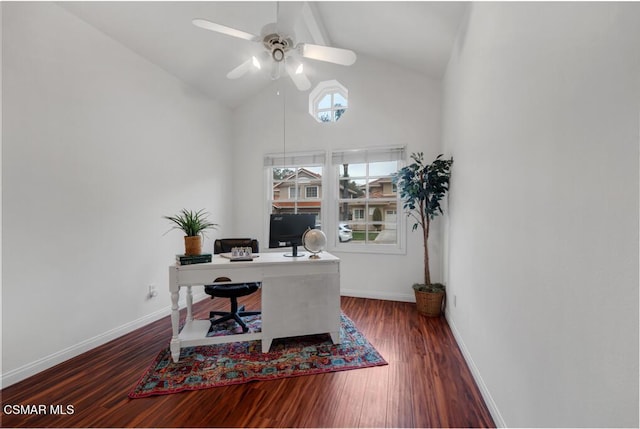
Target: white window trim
318	93
291	160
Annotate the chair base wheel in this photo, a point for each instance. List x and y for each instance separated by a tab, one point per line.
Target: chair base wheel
225	316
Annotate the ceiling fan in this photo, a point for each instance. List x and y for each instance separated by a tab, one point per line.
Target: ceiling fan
280	49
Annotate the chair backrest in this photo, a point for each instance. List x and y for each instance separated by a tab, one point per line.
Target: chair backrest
224	245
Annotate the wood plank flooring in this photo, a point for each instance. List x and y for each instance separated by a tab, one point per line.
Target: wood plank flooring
426	384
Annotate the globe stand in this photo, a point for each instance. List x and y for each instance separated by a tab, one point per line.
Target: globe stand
314	256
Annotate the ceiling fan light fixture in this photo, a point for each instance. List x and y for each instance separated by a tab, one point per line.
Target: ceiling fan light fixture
275	71
277	54
295	70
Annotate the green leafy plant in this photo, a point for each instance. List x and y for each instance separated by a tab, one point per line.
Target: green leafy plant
377	217
421	188
193	223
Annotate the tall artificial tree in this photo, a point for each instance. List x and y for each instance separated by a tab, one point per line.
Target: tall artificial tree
421	188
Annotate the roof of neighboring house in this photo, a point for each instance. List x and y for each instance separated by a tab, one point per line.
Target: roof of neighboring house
300	204
311	175
301	172
375	187
349	190
380	181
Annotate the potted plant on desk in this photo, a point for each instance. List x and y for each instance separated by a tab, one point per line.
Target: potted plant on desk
421	188
194	225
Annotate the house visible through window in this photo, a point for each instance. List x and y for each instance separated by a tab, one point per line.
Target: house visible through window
295	183
366	198
328	101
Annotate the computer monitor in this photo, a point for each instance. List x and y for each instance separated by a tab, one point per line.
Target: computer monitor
286	230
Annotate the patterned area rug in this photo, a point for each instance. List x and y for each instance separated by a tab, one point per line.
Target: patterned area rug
203	367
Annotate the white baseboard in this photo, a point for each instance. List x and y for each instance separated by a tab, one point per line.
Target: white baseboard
378	295
33	368
484	391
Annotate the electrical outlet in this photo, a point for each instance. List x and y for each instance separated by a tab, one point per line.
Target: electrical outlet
152	291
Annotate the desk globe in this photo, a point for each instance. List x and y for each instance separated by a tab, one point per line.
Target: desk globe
314	241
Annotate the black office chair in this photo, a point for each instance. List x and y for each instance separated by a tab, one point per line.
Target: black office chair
233	291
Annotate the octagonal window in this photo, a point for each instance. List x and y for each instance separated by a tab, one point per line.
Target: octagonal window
328	101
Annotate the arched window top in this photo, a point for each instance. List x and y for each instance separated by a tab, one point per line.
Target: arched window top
328	101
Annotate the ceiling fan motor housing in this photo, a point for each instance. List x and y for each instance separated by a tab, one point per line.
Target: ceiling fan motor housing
277	45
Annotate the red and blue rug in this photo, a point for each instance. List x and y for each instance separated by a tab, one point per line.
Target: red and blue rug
203	367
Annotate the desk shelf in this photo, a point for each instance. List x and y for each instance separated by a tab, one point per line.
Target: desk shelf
194	333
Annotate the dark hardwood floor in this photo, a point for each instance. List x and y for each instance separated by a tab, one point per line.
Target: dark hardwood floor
426	384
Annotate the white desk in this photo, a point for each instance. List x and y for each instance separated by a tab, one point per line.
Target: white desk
300	296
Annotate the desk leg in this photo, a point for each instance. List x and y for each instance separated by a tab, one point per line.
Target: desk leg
189	304
175	325
266	344
335	337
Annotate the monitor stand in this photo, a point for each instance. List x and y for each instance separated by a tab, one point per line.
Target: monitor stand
295	253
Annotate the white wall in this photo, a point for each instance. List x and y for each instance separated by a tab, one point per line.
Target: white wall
1	174
541	115
388	106
98	145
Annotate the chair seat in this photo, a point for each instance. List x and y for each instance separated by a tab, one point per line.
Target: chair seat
231	290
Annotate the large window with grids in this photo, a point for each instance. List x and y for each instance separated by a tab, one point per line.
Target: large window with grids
351	193
295	183
366	199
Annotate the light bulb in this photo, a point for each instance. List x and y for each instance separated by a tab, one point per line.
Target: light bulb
275	71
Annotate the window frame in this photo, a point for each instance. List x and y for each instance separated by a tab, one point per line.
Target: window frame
329	199
312	197
294	161
324	88
365	155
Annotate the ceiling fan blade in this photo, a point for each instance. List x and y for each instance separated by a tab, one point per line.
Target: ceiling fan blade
208	25
340	56
241	69
296	73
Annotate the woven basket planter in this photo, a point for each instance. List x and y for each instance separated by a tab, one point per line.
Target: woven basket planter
429	303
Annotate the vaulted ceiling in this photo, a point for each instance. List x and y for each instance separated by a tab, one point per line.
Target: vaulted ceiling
415	35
